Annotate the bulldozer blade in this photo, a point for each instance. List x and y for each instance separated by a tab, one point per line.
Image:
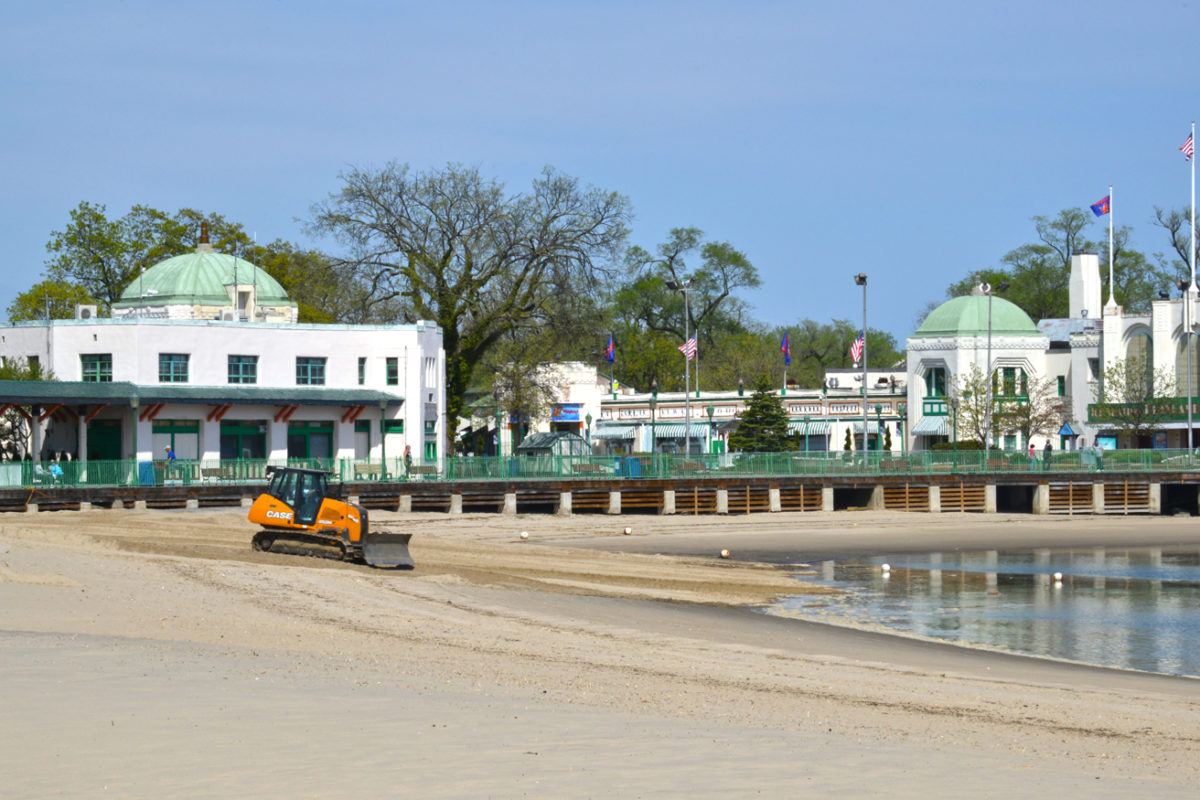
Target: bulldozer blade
387	550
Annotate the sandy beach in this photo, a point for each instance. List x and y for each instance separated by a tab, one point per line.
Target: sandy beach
153	654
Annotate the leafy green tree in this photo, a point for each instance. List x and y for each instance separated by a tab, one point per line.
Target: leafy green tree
48	299
763	425
1039	412
102	256
451	246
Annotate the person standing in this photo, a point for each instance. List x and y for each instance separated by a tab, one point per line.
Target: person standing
407	460
1046	451
1098	454
1032	457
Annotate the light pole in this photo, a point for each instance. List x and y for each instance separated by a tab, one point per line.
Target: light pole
987	443
1185	287
903	409
879	427
683	289
711	432
588	419
954	410
861	280
653	416
806	435
499	438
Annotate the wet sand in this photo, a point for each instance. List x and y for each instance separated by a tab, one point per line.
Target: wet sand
150	653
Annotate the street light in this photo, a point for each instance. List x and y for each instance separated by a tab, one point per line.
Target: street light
711	432
653	407
861	280
683	288
987	443
499	438
903	409
954	410
879	427
588	419
1185	287
806	418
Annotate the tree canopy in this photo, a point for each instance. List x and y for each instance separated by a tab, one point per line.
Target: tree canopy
452	246
763	425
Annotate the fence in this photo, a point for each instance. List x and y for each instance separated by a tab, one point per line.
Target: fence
652	466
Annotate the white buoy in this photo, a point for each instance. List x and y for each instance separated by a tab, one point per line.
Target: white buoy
724	554
524	534
885	568
628	531
1058	577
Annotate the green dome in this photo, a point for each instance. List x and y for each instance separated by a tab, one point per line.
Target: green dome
966	316
199	279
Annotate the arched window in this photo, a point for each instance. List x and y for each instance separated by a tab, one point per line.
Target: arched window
1181	367
1140	351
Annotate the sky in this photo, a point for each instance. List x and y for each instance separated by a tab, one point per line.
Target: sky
912	141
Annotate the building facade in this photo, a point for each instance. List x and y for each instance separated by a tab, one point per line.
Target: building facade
203	355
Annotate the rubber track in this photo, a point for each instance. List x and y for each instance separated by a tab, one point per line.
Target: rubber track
292	544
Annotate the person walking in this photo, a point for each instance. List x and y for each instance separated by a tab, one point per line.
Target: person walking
1032	457
407	460
1046	451
1098	454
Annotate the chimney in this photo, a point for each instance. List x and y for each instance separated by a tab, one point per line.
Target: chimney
204	246
1084	288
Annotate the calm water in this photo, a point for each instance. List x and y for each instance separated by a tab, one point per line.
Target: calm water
1134	609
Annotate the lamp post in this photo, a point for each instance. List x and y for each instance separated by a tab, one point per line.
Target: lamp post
1185	287
499	438
683	289
588	419
861	280
806	418
954	411
987	443
902	408
711	432
879	427
653	416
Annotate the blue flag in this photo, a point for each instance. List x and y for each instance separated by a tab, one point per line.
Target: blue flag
610	353
787	350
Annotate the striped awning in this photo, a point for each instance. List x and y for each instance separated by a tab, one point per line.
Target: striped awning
613	432
675	430
932	426
816	427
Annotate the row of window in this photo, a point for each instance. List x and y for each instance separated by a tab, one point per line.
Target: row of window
1009	382
173	368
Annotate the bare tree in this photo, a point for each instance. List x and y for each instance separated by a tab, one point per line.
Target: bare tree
451	246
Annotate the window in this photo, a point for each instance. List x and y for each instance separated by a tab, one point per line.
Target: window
172	367
96	367
393	372
310	371
1062	385
935	382
362	371
243	369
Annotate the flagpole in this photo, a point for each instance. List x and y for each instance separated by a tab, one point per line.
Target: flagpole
1190	294
1111	285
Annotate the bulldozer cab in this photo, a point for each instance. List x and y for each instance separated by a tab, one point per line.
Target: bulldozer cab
302	490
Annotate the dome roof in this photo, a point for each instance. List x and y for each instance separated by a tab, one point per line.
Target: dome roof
964	316
200	278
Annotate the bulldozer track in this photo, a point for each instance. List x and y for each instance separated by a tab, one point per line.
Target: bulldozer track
299	544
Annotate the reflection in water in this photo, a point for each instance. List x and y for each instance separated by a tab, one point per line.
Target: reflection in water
1134	609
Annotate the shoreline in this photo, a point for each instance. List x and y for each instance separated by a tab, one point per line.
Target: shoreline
157	653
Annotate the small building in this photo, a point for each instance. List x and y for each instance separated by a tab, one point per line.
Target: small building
553	443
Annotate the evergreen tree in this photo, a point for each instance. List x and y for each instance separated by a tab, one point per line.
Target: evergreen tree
763	426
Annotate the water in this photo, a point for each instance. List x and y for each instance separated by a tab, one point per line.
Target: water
1127	608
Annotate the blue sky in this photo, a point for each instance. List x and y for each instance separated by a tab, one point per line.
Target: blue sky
912	141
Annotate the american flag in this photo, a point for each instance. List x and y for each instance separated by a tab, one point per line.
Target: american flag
688	348
1187	149
857	348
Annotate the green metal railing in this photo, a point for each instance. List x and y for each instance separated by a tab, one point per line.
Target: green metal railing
967	462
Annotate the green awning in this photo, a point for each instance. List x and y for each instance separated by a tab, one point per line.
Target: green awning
676	430
613	432
932	426
816	427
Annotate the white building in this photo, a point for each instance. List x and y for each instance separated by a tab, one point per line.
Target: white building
1073	352
203	355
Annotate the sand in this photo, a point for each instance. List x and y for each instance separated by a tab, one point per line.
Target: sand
151	654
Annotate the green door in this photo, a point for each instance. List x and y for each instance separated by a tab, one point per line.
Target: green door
104	440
